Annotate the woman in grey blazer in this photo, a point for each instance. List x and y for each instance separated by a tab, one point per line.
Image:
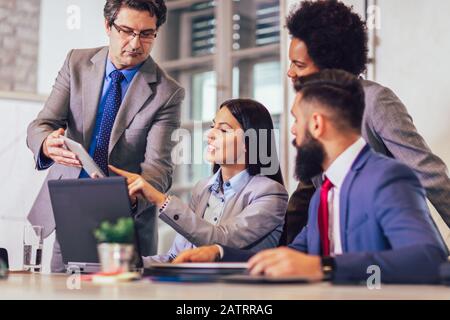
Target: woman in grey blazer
243	204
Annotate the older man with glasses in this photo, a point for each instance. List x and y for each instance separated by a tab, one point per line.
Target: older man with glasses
120	105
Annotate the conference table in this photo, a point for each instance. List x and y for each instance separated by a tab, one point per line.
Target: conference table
61	287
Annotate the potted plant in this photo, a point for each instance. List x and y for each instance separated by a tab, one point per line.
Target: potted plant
115	245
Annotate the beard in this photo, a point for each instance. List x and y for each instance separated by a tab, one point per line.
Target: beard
309	160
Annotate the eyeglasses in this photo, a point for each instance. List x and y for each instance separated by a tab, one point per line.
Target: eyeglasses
145	36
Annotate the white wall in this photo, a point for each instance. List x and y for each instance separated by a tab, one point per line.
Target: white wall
19	181
412	59
63	29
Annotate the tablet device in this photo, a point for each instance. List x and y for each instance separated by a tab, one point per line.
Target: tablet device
87	162
79	207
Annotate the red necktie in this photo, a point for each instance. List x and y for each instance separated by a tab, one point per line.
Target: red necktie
324	216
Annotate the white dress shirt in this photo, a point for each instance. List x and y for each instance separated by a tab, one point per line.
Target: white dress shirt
336	173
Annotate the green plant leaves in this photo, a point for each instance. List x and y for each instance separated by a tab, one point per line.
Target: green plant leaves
121	232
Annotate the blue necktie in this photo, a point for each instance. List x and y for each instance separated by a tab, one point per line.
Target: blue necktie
112	105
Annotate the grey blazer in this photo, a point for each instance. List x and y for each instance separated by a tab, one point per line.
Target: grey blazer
140	139
252	218
390	130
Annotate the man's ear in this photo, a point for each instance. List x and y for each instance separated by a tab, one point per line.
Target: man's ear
317	125
107	27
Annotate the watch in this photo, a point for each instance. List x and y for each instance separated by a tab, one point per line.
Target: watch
328	267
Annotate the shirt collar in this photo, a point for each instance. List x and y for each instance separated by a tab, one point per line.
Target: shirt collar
128	73
235	184
338	170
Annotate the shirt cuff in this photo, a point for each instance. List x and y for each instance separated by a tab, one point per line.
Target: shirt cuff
221	253
165	204
43	162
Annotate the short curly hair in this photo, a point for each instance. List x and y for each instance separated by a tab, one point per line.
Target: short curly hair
336	37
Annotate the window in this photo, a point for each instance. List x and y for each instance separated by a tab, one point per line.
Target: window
218	50
255	23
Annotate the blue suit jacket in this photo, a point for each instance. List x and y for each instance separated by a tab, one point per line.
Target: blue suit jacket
385	222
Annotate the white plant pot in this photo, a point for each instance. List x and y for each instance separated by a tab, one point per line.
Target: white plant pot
115	257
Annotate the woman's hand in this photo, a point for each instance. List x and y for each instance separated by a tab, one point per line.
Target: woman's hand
137	186
202	254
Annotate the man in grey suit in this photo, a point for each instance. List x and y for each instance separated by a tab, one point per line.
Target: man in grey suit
328	35
120	105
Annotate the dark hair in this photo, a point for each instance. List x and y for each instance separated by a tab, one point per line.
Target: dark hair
252	115
335	36
154	7
338	91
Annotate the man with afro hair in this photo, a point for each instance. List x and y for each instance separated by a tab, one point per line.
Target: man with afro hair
327	34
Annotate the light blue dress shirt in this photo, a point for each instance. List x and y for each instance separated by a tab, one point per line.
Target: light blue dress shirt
218	198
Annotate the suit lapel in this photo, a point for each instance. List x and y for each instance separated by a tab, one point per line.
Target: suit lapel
314	246
137	95
204	200
345	193
92	90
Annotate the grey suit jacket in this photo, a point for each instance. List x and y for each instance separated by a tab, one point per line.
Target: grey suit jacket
390	130
252	218
140	139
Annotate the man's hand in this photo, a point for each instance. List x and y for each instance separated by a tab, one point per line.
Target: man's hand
285	262
202	254
53	148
